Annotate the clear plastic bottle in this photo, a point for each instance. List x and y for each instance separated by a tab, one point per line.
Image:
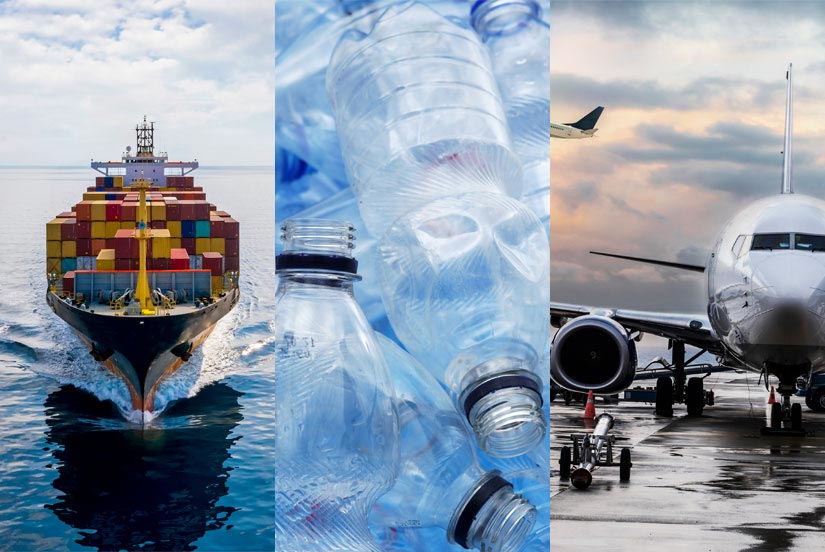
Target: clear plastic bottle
465	281
418	114
440	482
336	440
519	44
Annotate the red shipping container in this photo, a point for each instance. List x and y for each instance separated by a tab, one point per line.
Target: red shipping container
68	282
187	210
128	210
113	210
212	208
214	263
179	259
215	227
172	209
161	264
172	181
123	264
231	228
158	224
82	230
97	245
68	230
110	243
83	247
201	210
126	247
83	210
232	247
188	244
221	213
232	263
67	214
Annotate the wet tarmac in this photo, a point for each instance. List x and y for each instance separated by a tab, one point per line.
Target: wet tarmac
707	483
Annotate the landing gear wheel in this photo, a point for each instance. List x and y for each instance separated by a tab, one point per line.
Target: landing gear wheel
776	416
564	463
625	465
695	397
664	396
816	400
796	416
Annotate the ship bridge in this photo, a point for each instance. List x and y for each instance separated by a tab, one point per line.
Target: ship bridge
144	163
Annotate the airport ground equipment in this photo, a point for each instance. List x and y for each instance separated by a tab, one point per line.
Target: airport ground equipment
590	451
814	393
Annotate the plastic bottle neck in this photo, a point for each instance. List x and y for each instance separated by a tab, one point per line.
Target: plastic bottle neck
317	251
492	517
502	17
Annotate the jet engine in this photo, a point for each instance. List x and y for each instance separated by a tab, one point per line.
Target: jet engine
593	353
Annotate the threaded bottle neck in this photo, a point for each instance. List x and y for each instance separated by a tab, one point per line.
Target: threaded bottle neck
502	17
492	518
318	236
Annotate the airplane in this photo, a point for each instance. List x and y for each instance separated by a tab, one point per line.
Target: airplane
765	309
583	128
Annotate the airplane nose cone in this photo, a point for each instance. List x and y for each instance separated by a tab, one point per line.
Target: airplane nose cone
788	295
793	280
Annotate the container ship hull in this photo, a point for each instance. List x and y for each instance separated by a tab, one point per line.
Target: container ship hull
143	351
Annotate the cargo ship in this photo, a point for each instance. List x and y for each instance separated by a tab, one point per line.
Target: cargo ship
143	267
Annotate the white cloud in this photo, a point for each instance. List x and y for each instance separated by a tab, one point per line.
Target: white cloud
77	75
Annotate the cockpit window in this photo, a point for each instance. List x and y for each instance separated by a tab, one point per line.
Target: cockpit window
809	242
771	241
737	245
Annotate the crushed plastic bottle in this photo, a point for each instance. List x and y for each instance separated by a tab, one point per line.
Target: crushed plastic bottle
440	482
336	440
418	114
465	281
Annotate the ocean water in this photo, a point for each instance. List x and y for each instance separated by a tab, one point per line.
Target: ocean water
75	473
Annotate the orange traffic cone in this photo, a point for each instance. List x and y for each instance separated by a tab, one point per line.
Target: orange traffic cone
590	408
772	397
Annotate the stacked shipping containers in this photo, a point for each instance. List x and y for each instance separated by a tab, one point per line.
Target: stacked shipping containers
99	234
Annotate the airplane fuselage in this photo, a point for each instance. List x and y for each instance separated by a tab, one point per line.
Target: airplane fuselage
766	286
566	131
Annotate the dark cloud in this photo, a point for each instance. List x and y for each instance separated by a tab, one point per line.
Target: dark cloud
647	93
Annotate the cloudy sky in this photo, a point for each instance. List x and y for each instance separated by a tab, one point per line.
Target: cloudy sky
76	75
694	97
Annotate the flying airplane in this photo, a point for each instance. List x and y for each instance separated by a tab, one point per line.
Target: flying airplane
583	128
765	309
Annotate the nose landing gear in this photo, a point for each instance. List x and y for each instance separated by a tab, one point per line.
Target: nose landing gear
786	418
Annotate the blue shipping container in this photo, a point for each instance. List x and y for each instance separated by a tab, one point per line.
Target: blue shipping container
187	229
67	265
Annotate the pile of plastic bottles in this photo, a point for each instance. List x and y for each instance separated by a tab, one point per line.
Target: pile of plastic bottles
412	313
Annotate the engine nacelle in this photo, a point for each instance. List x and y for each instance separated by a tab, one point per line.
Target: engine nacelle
593	353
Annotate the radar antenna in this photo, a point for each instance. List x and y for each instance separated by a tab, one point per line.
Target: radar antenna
145	138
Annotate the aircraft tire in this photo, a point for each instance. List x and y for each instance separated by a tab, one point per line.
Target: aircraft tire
796	416
776	416
664	396
695	397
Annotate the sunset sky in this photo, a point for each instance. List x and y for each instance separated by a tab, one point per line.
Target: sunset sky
694	97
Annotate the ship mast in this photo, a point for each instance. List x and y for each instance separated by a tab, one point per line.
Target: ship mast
143	234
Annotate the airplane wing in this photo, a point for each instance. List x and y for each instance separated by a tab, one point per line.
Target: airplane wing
691	328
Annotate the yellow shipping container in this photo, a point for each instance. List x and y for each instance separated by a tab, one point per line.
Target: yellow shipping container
161	244
127	225
106	259
118	181
99	210
69	248
174	243
112	226
53	229
94	196
54	249
218	245
174	228
53	265
158	211
98	230
202	246
217	284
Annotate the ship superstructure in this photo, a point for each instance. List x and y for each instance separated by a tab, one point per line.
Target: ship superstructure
143	267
